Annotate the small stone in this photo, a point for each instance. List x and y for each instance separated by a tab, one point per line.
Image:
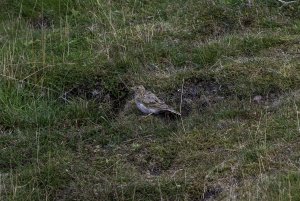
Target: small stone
95	92
257	99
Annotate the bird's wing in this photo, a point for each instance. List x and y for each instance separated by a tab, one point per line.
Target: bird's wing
152	101
150	98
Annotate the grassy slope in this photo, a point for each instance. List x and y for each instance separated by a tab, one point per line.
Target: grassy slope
58	141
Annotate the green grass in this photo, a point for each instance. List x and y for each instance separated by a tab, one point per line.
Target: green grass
68	130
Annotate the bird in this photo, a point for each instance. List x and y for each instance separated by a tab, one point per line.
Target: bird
148	103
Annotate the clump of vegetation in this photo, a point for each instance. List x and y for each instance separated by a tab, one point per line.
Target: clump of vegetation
68	130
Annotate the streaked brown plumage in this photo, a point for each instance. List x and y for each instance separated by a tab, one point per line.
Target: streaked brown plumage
149	103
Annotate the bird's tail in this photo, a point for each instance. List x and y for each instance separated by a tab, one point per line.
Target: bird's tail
174	112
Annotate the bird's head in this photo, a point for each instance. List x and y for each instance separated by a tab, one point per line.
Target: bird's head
138	89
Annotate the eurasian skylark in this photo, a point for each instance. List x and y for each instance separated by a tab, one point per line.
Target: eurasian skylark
148	103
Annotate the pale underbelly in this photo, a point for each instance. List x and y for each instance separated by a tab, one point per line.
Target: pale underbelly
145	109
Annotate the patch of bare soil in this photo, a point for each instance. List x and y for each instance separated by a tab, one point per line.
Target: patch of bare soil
265	100
211	193
199	94
5	130
94	90
41	22
275	99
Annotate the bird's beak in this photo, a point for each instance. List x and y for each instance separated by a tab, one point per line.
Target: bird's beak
133	89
